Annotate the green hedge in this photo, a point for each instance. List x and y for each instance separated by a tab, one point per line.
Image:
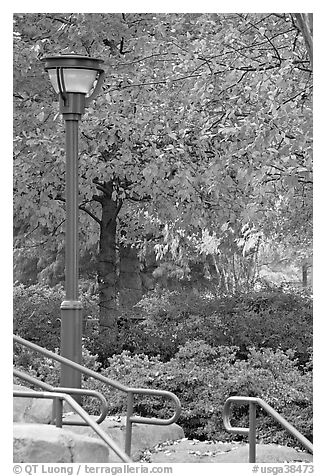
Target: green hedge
46	369
37	313
273	319
203	349
203	377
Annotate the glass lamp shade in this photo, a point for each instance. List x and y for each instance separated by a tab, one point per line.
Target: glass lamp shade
75	80
71	73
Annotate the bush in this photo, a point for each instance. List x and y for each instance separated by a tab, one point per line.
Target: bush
203	377
202	348
37	313
273	319
270	320
46	369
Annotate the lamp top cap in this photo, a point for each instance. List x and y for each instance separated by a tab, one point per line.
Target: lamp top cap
72	61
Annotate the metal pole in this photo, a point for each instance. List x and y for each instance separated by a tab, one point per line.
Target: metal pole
130	408
58	410
252	432
71	208
71	308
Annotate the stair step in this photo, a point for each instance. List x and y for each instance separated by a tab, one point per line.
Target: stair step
31	410
39	443
143	435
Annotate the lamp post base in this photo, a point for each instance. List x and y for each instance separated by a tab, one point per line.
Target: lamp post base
71	342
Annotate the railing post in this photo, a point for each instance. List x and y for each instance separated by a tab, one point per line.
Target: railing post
58	402
252	432
130	409
54	413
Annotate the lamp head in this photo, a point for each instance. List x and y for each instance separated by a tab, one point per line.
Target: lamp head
73	73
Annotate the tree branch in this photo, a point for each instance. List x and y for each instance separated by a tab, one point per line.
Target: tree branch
147	57
102	187
86	210
83	208
59	19
271	43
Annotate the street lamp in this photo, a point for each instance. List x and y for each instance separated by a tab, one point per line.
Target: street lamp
77	80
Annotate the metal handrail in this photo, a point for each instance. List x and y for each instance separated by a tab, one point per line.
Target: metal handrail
251	431
58	396
130	391
70	391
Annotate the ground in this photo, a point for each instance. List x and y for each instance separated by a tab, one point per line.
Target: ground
194	451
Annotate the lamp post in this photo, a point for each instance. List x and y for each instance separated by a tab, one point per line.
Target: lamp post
77	80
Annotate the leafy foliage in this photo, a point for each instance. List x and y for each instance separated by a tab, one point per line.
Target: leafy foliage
214	374
37	313
167	320
201	142
255	345
199	369
46	369
185	135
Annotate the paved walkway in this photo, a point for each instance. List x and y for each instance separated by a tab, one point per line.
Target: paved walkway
194	451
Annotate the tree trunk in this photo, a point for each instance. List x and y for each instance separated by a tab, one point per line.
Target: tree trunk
222	285
306	27
130	279
149	265
305	275
107	264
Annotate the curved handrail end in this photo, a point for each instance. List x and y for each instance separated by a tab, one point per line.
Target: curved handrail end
269	410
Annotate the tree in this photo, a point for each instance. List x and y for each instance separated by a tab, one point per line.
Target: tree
204	124
262	132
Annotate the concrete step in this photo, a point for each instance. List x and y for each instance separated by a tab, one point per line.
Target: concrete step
143	435
36	442
39	443
29	411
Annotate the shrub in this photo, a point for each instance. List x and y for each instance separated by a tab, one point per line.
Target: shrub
273	319
270	320
203	377
202	348
47	369
37	313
